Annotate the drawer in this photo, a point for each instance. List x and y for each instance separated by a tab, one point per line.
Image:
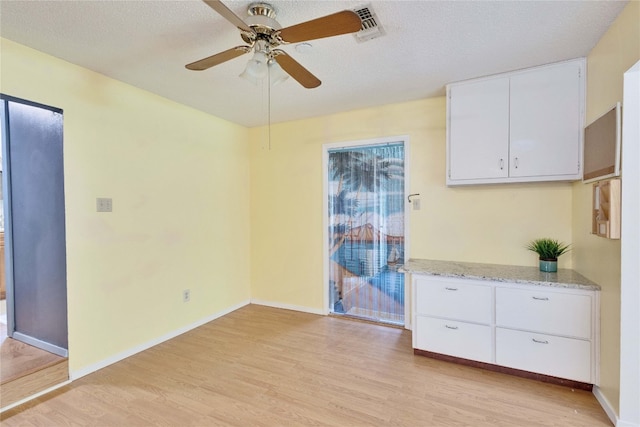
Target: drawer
454	300
545	354
544	311
460	339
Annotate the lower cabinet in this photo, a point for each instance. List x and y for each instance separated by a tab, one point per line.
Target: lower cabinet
459	339
545	310
540	329
544	354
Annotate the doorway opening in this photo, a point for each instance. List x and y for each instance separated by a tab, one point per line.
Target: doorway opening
33	324
365	216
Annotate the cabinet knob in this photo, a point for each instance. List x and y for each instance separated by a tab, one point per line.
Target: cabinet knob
451	289
450	327
516	162
501	164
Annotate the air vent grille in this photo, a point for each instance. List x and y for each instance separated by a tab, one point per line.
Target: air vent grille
371	27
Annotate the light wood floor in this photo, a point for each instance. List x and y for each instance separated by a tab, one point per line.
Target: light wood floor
20	359
26	370
261	366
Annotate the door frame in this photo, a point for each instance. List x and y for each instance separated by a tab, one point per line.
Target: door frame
325	212
6	188
629	413
8	230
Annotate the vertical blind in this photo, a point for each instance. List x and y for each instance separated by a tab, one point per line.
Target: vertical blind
366	231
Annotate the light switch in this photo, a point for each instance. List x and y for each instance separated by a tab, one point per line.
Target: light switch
104	204
416	204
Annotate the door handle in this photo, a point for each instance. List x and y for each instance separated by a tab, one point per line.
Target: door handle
541	298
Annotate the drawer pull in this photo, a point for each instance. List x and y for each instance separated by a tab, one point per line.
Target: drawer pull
451	289
539	341
450	327
541	298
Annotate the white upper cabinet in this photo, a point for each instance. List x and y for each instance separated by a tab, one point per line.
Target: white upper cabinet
517	127
479	129
546	125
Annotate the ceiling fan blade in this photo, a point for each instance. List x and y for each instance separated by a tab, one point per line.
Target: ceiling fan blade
295	70
218	58
344	22
228	14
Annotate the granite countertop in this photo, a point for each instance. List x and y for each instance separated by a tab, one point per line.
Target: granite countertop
564	278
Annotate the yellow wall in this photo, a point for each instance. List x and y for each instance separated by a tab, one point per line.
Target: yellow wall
488	224
176	174
179	180
595	257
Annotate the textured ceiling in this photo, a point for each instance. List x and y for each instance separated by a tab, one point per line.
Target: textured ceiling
427	44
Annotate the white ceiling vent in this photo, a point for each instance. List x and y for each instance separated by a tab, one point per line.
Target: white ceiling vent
371	27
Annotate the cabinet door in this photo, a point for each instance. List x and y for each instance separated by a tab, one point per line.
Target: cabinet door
546	122
479	130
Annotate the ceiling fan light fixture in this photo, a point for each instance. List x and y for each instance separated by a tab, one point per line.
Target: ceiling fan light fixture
248	77
256	68
276	73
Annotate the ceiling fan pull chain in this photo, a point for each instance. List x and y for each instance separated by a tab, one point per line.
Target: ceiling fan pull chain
269	105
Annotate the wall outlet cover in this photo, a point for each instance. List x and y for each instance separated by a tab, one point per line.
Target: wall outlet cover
104	204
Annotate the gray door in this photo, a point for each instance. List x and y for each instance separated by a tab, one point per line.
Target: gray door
35	224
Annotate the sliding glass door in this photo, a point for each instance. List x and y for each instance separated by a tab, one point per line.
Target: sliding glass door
366	229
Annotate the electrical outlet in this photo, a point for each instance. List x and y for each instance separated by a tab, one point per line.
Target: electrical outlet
186	295
416	204
104	204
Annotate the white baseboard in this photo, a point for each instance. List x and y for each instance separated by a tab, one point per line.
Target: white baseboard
137	349
608	409
288	306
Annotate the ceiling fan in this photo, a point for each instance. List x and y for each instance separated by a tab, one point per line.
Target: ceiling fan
263	35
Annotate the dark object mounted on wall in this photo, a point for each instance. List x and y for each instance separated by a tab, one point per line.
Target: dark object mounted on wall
602	146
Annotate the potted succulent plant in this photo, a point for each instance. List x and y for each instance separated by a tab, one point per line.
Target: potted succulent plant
548	251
